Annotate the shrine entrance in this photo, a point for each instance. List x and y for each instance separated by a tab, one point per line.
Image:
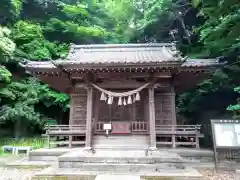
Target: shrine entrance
126	119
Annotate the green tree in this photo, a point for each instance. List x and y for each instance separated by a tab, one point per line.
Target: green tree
236	107
7	48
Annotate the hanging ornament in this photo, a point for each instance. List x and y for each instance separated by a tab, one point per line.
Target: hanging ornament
120	101
105	97
134	98
137	97
129	100
110	100
124	102
102	98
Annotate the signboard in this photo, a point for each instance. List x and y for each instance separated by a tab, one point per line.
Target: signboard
226	134
121	127
107	126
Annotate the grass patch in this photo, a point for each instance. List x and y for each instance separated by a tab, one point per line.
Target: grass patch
35	143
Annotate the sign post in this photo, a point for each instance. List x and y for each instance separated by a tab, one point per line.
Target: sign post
107	127
226	135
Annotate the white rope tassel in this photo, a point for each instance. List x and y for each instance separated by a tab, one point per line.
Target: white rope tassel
105	97
124	102
134	99
131	95
120	101
110	100
137	97
129	100
102	98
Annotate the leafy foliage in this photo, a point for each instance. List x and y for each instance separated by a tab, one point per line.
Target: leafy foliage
218	36
7	46
43	29
21	97
236	108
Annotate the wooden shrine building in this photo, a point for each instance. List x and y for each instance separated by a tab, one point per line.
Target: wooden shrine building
130	86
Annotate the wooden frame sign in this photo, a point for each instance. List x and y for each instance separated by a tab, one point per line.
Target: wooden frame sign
226	135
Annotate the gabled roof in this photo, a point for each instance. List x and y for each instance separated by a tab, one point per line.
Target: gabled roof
121	55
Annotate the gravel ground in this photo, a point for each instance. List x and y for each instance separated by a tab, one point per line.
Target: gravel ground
224	175
26	174
16	174
9	173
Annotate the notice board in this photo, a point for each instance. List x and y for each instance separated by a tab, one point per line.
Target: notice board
226	135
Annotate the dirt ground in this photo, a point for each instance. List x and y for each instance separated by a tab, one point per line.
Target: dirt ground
10	173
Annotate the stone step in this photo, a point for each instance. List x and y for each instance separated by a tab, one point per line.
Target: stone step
131	142
121	139
121	168
24	163
76	174
120	147
118	156
119	160
47	154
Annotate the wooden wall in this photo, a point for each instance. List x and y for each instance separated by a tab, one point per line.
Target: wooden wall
78	107
165	109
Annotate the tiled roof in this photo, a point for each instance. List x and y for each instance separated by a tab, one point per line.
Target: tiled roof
200	62
39	64
122	54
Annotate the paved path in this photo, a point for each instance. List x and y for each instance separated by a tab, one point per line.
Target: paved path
117	177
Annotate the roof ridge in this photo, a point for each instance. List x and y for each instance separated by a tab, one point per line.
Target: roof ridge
131	45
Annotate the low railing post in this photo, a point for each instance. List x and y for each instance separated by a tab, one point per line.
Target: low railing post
197	138
48	136
173	137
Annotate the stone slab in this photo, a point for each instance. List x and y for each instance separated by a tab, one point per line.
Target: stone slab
68	172
45	154
186	152
117	177
23	163
49	152
160	167
80	155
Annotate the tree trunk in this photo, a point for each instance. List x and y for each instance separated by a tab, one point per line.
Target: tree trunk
185	29
20	129
17	130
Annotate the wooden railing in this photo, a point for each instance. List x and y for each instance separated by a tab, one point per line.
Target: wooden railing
190	133
136	126
65	129
139	126
68	131
99	126
181	129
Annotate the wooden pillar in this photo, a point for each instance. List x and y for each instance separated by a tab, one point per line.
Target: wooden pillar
174	121
173	104
152	118
89	118
96	105
70	138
